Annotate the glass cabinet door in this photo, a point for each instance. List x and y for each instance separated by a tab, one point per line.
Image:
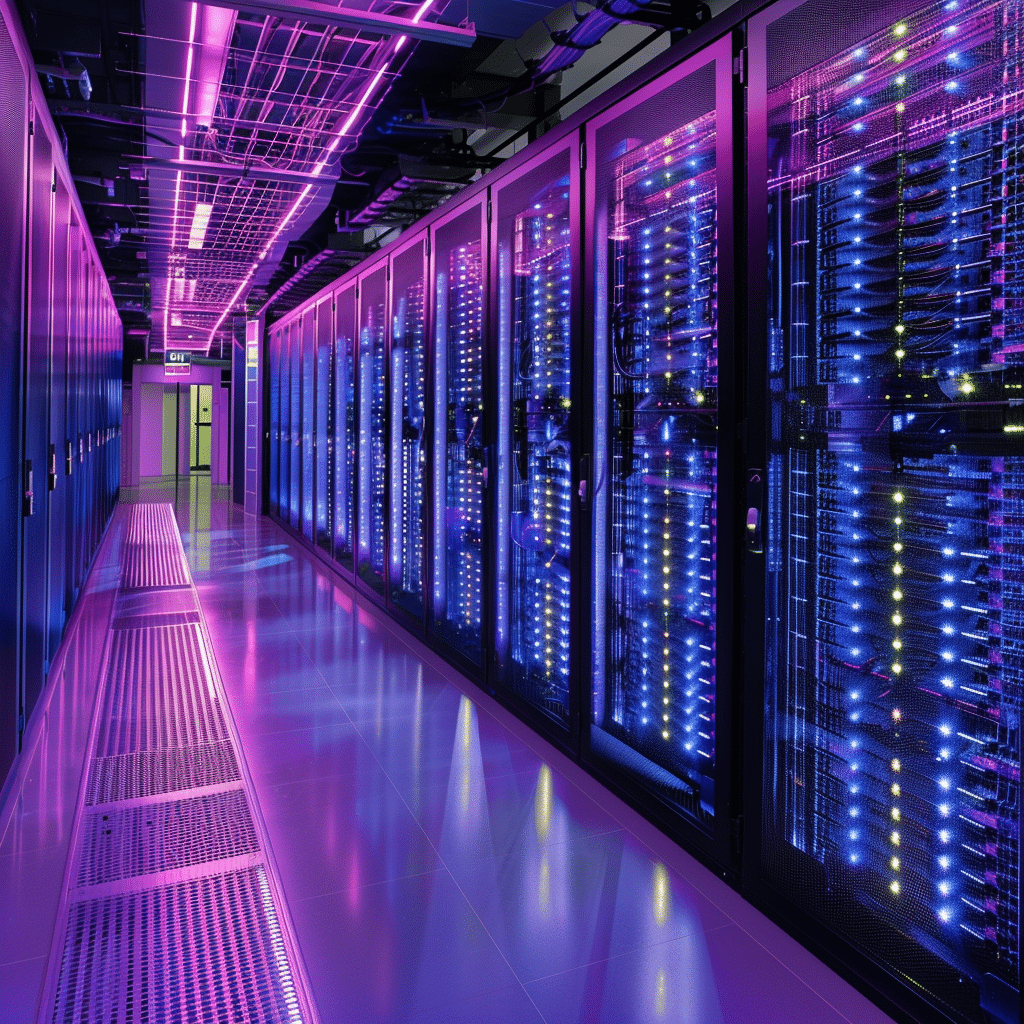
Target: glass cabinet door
408	439
308	362
534	492
286	424
660	180
324	441
887	187
274	484
295	410
459	445
344	426
372	399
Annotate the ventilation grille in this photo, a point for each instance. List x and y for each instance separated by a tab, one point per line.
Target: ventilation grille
159	619
152	554
205	950
131	841
158	692
152	772
169	912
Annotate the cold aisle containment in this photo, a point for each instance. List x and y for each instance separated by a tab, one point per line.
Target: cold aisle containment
60	392
693	433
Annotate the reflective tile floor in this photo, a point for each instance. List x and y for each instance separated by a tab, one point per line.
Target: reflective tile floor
439	860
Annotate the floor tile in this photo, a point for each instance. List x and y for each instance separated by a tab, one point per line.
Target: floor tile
717	977
20	987
390	951
334	832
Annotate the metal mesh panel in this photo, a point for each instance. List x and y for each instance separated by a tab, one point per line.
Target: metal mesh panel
149	772
158	692
206	950
139	840
152	555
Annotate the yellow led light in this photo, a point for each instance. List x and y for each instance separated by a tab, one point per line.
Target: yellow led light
895	789
895	863
900	328
899	55
897	546
896	714
897	569
897	619
897	645
894	838
897	668
967	387
895	814
897	595
899	352
898	497
900	30
894	886
895	765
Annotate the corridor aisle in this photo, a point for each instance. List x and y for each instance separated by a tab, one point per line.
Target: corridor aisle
437	860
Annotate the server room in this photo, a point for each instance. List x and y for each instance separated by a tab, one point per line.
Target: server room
514	511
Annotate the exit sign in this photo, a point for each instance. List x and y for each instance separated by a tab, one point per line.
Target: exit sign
177	362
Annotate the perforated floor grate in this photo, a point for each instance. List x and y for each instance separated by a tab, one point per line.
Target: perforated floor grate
158	693
158	619
208	950
152	554
170	913
130	841
151	772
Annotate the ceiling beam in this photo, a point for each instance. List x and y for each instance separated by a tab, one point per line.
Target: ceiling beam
350	17
253	173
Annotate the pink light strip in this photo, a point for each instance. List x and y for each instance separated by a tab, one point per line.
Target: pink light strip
181	156
339	135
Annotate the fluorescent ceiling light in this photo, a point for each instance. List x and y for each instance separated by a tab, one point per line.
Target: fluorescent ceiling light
200	222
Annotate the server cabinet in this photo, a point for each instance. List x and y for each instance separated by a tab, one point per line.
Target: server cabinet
35	502
323	443
407	441
308	363
345	426
459	456
56	485
294	335
286	424
536	446
372	412
659	171
274	425
72	470
885	206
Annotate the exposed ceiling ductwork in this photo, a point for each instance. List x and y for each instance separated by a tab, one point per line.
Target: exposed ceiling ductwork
259	105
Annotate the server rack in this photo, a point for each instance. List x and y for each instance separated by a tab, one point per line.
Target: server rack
660	279
536	274
460	429
885	198
345	426
274	421
371	405
324	426
408	438
307	361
